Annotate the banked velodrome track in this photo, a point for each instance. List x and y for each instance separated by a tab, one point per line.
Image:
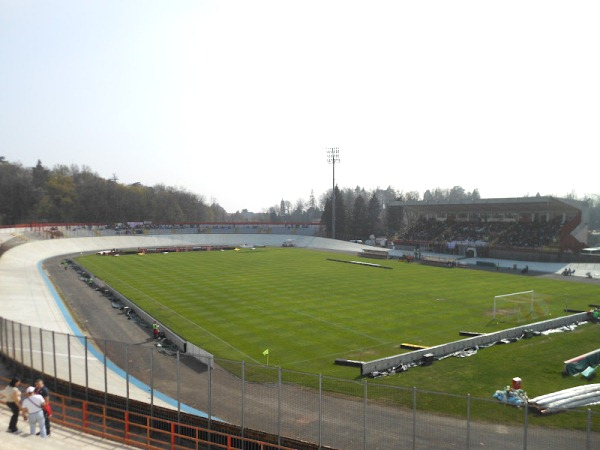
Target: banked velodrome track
27	296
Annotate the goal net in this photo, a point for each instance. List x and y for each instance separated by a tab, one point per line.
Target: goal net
519	306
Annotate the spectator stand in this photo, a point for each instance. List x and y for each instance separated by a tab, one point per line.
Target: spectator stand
441	261
374	253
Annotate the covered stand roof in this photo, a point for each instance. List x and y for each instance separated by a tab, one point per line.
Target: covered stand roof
526	205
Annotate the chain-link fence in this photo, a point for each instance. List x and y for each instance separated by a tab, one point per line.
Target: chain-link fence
330	412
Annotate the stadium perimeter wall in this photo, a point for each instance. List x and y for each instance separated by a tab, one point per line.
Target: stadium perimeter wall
534	255
183	345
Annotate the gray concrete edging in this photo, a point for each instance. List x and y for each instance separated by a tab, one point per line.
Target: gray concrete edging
439	351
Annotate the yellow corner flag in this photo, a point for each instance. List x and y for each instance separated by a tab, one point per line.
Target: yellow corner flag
266	352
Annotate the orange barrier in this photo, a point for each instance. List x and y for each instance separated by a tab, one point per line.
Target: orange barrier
143	431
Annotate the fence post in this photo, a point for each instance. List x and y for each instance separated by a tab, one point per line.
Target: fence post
468	443
69	364
127	377
365	414
178	375
320	410
84	411
14	344
2	328
414	431
589	430
209	389
104	359
54	361
42	349
30	335
87	376
243	394
22	359
173	431
152	381
526	428
149	424
126	427
279	405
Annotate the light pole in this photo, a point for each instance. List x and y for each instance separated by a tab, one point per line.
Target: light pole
333	156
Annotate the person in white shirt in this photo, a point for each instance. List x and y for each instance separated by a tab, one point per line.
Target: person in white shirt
33	411
12	394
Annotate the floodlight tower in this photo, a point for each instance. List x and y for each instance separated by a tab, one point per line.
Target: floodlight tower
333	156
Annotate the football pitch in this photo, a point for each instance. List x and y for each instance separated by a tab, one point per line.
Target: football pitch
308	308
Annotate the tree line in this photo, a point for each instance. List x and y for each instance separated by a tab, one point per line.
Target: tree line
362	214
70	194
73	194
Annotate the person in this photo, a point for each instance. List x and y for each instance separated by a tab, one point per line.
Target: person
155	329
33	411
42	390
13	401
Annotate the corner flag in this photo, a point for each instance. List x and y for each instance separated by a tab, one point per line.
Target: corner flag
266	352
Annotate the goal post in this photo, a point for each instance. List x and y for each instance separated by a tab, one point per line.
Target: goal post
514	304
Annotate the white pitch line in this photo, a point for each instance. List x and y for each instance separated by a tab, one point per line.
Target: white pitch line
341	327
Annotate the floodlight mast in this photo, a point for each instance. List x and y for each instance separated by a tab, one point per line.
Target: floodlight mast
333	156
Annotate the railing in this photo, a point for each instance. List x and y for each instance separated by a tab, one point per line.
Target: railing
140	430
255	406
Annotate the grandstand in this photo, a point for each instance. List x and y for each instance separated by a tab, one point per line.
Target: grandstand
529	228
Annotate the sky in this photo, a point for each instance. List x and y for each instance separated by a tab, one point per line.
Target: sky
238	101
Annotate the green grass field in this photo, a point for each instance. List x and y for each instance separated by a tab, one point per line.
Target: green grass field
308	311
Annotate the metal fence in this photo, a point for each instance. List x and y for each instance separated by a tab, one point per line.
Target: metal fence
328	412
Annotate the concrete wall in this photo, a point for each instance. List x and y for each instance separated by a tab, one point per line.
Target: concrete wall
440	351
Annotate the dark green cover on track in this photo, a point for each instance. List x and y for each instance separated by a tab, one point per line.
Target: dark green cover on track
591	359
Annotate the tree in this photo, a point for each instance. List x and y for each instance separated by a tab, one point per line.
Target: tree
216	212
17	197
457	193
282	209
59	202
77	194
40	175
374	218
298	212
273	216
287	207
91	205
312	203
360	227
340	216
411	196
